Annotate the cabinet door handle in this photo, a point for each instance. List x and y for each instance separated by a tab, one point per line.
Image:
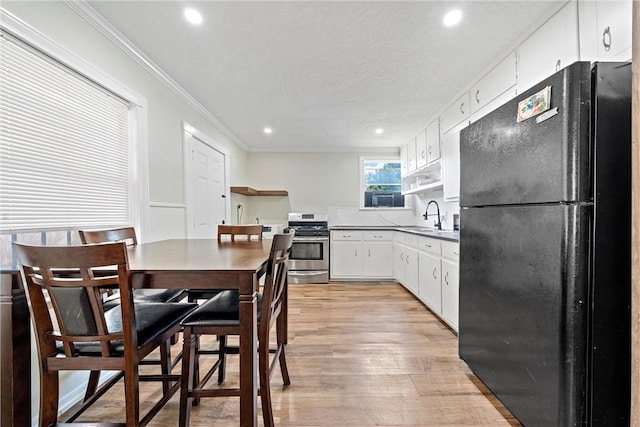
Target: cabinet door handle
407	259
355	252
434	273
455	253
430	150
446	278
423	154
558	65
606	39
402	257
477	96
462	107
369	253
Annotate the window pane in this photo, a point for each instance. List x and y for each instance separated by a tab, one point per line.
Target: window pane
382	184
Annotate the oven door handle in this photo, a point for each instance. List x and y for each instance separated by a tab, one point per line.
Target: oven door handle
310	239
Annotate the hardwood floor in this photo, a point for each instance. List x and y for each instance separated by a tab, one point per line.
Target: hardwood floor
358	355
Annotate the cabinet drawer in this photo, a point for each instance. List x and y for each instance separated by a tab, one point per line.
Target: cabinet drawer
346	235
426	244
378	235
451	250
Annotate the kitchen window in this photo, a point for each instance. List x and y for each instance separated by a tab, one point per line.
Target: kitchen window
381	184
67	145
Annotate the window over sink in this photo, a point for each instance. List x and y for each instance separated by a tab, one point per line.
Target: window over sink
381	184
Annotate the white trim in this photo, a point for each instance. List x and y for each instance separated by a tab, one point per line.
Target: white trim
168	205
89	14
138	132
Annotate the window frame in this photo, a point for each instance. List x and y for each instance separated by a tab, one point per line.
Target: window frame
361	182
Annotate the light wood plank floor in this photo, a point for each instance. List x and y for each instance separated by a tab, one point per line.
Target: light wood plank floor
358	355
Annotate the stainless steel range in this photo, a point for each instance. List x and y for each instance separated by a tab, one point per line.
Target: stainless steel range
309	259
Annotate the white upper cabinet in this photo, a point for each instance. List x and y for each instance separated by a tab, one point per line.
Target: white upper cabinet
403	160
451	163
605	30
456	113
496	82
421	149
433	141
493	104
552	47
411	156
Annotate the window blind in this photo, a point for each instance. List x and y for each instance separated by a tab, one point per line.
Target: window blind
64	145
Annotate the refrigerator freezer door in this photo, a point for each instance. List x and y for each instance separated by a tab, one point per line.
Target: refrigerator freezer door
523	307
506	162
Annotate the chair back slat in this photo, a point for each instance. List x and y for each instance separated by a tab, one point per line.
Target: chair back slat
249	230
123	234
276	278
64	276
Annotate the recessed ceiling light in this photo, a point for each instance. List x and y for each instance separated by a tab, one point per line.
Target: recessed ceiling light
452	18
268	130
379	131
193	16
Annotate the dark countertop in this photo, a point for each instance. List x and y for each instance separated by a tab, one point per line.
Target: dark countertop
453	236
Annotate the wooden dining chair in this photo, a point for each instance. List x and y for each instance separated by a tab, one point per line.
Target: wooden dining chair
74	332
233	231
247	232
220	316
128	236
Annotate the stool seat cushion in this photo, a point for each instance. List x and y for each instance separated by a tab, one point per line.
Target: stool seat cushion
221	310
152	320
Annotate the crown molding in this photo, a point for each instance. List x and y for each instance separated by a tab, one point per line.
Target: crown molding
89	14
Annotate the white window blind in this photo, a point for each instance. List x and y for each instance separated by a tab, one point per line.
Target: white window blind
64	145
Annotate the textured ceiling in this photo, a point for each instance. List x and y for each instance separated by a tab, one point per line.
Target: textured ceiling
324	75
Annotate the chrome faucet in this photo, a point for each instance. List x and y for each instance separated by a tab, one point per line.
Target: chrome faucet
437	224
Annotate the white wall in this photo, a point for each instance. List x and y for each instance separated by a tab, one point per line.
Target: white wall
316	182
166	110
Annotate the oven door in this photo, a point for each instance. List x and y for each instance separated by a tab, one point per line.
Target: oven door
309	253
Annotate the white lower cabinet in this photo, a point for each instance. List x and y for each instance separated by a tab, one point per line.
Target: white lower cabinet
357	254
411	269
450	292
428	267
346	254
377	254
430	272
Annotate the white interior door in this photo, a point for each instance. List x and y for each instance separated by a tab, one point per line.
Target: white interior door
205	187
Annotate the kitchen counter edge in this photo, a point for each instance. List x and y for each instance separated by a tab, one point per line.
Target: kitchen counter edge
453	236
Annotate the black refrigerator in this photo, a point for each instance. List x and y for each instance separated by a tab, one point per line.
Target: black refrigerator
545	244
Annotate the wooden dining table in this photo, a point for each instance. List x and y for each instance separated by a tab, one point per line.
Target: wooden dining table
182	264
